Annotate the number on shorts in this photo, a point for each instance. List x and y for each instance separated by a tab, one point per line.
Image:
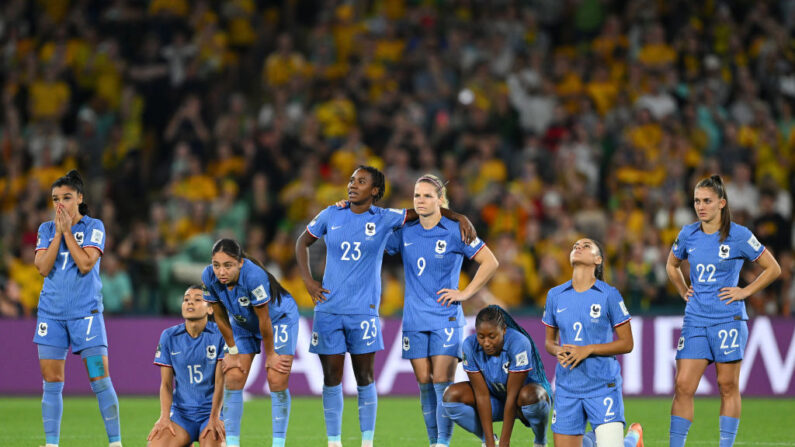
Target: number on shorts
449	332
578	328
195	373
280	333
724	337
65	255
90	319
709	269
356	254
608	402
367	326
421	266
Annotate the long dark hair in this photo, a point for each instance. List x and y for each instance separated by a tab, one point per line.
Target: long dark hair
499	317
599	270
715	182
73	180
379	181
232	248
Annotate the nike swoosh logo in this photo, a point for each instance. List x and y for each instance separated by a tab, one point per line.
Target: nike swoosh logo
728	352
279	347
370	342
447	346
608	420
91	338
561	310
406	244
175	353
337	227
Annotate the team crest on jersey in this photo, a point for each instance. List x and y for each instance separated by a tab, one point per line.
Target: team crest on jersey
505	366
681	344
212	352
596	310
441	246
42	329
723	251
314	338
79	237
676	244
243	301
369	228
406	344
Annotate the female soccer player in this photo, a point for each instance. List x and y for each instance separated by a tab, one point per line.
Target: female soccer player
346	303
585	312
70	306
191	384
251	308
433	320
506	381
715	328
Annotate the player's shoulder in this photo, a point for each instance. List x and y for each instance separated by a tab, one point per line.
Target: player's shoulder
512	336
251	273
212	328
739	232
377	210
47	226
88	220
606	288
690	229
208	276
557	290
471	342
173	331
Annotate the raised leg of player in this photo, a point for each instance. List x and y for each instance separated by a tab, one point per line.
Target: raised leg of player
333	402
52	371
688	375
443	375
459	403
730	401
534	405
280	404
364	371
422	371
101	385
234	381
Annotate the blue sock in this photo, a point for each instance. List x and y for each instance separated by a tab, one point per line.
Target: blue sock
589	439
442	419
368	407
108	407
52	410
280	410
679	429
537	415
428	404
465	416
728	430
332	410
233	414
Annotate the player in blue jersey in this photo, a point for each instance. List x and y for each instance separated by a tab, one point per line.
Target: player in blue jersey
715	328
68	249
251	308
191	384
433	321
346	303
581	316
506	381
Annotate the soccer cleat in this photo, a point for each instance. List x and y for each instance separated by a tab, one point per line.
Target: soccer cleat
637	428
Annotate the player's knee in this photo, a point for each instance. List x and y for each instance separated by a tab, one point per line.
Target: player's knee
452	394
364	376
234	379
685	388
531	394
728	386
277	381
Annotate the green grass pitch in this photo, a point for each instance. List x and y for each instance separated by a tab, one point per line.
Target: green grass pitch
765	422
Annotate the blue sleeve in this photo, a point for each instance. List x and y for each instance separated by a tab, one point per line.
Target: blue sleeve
521	353
679	248
208	292
471	249
750	248
469	363
163	353
43	237
616	309
317	227
549	311
397	217
96	235
259	285
394	241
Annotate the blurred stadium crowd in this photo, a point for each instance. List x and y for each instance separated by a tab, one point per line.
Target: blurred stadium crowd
550	119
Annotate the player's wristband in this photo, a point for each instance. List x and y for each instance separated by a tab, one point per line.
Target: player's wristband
232	350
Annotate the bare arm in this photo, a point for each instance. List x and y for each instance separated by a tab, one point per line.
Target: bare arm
621	345
483	405
215	426
85	258
45	259
222	320
515	382
166	398
770	271
551	341
488	265
314	288
672	267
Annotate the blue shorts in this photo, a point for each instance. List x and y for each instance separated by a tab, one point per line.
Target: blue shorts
721	343
423	344
338	334
79	333
192	423
285	337
572	413
498	410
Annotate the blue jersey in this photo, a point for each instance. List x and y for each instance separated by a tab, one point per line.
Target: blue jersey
354	252
431	261
252	289
714	265
516	356
67	293
193	361
586	318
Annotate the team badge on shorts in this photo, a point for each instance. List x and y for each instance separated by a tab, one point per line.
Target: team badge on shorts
243	301
315	338
42	329
681	344
441	246
406	344
211	352
369	228
596	310
723	251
